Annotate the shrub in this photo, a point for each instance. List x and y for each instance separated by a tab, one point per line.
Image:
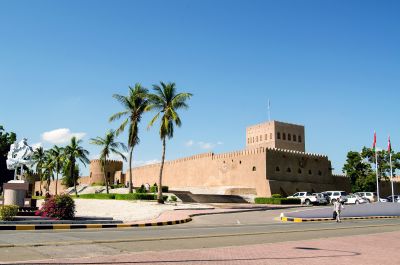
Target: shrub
97	184
117	186
99	196
60	207
8	212
263	200
154	189
138	196
173	198
276	196
142	189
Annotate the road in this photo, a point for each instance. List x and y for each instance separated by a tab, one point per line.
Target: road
222	230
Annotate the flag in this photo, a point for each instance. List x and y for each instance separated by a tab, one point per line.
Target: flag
374	143
389	145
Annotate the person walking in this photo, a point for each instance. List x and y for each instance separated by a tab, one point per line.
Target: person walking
338	207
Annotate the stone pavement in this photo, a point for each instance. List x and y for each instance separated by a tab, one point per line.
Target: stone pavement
363	249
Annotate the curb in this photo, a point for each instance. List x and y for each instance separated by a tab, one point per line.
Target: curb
89	226
301	220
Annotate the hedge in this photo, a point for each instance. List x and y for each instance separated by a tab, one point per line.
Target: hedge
263	200
138	196
100	196
60	207
8	212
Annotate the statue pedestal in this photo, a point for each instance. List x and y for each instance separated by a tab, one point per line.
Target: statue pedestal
15	192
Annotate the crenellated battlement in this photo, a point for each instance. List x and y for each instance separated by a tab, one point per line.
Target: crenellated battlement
98	162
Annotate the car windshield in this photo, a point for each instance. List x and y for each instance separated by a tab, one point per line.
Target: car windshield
343	193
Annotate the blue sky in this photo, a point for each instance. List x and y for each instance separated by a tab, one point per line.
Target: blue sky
330	65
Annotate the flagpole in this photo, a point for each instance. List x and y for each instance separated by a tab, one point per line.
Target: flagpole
391	173
376	168
269	110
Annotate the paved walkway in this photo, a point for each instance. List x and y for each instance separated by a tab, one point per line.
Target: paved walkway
374	249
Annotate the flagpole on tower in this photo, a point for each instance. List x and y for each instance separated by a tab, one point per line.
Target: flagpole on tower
376	167
269	110
391	168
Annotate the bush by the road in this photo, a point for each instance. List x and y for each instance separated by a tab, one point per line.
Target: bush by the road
276	196
154	188
60	207
263	200
8	212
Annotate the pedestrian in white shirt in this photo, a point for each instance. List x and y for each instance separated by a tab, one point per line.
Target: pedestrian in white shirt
338	207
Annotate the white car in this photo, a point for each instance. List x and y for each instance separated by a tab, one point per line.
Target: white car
321	199
335	195
370	196
355	199
306	197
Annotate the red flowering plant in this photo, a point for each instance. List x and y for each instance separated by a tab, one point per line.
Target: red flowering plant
60	207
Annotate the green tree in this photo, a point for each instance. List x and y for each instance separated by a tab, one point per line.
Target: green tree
135	104
6	139
57	159
360	167
166	102
109	146
74	152
39	158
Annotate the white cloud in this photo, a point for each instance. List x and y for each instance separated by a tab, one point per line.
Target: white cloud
145	163
202	145
36	145
189	143
61	136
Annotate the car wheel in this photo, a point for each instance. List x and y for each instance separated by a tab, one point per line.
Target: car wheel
308	202
357	202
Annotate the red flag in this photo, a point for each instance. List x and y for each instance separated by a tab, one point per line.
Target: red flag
389	145
374	144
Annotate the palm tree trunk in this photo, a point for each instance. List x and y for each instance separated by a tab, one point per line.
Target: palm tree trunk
73	178
159	194
48	185
40	185
104	173
130	171
56	181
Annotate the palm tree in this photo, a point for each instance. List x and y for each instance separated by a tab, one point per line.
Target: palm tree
48	168
39	159
166	102
74	152
135	105
57	157
109	146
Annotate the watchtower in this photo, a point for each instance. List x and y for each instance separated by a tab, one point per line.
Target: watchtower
276	134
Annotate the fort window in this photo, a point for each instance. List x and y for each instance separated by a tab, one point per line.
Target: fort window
266	137
289	137
224	162
299	138
294	138
319	172
310	172
288	170
299	171
284	136
278	135
90	174
256	138
277	169
240	162
254	168
260	138
270	136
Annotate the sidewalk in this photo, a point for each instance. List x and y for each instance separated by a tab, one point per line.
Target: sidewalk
375	249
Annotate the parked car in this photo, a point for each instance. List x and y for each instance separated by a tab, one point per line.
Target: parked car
371	196
335	195
396	198
321	199
383	200
306	197
355	199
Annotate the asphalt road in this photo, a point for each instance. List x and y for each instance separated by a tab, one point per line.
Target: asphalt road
220	230
361	210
